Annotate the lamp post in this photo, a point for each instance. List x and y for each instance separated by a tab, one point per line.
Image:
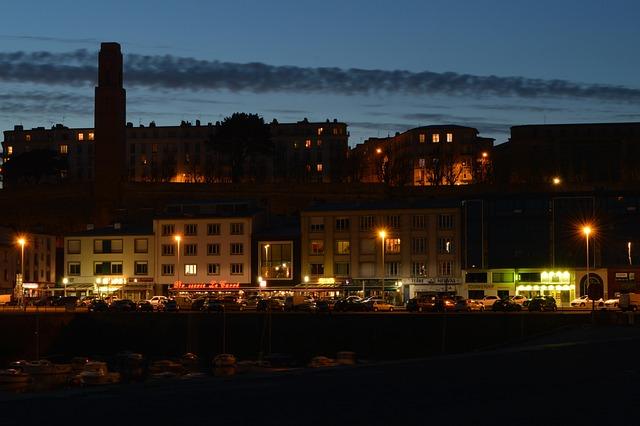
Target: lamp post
266	260
587	231
629	253
22	241
178	238
382	234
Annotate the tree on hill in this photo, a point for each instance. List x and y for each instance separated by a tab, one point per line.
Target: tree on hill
242	139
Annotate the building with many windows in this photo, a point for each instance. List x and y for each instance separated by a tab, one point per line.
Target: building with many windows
343	245
114	260
428	155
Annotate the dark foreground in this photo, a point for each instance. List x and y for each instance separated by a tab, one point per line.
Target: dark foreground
585	375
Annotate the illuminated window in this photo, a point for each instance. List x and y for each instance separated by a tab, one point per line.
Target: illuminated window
91	136
335	131
418	269
64	149
422	138
320	129
435	138
190	269
449	137
319	167
237	268
445	245
80	136
10	150
307	143
317	247
27	138
392	245
343	247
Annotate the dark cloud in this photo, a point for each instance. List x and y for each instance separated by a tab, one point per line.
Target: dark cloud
516	107
162	72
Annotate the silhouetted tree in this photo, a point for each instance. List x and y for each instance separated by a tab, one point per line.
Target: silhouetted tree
35	167
240	137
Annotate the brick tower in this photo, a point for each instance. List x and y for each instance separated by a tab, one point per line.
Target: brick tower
110	133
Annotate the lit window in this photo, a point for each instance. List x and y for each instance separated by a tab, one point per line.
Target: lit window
449	137
422	138
392	245
80	136
319	167
319	142
9	150
317	247
27	138
307	143
92	136
343	247
64	149
320	129
435	138
190	269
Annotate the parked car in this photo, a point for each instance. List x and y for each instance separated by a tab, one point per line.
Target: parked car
183	302
233	303
422	304
122	305
86	300
295	303
488	301
170	305
519	299
98	305
468	305
144	306
611	303
157	300
350	304
543	303
376	304
211	304
325	305
67	301
273	304
198	304
506	305
252	301
446	303
584	301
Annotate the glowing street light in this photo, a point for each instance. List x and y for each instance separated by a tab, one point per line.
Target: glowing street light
266	260
586	230
556	180
629	252
178	238
22	241
382	234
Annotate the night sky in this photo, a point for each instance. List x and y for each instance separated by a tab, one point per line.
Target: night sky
381	67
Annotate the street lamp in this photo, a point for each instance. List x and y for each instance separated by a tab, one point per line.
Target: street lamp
382	234
22	241
557	180
65	281
586	230
266	260
629	252
178	238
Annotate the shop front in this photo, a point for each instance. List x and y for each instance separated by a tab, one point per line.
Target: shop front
560	285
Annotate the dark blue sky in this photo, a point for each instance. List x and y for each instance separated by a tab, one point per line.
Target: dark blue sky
487	64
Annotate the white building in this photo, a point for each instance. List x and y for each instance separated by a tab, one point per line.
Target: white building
110	261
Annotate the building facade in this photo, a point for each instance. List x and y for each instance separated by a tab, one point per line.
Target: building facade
342	244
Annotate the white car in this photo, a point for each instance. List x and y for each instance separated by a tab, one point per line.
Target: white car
519	299
611	303
157	301
488	301
584	301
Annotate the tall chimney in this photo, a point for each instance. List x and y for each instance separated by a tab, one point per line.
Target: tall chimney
110	133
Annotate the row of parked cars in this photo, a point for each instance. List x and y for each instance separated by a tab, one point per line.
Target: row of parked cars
435	303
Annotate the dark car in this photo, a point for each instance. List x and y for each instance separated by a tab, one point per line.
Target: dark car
543	303
68	301
144	306
233	303
211	304
198	304
170	305
422	304
325	305
98	305
506	305
273	304
122	305
349	305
